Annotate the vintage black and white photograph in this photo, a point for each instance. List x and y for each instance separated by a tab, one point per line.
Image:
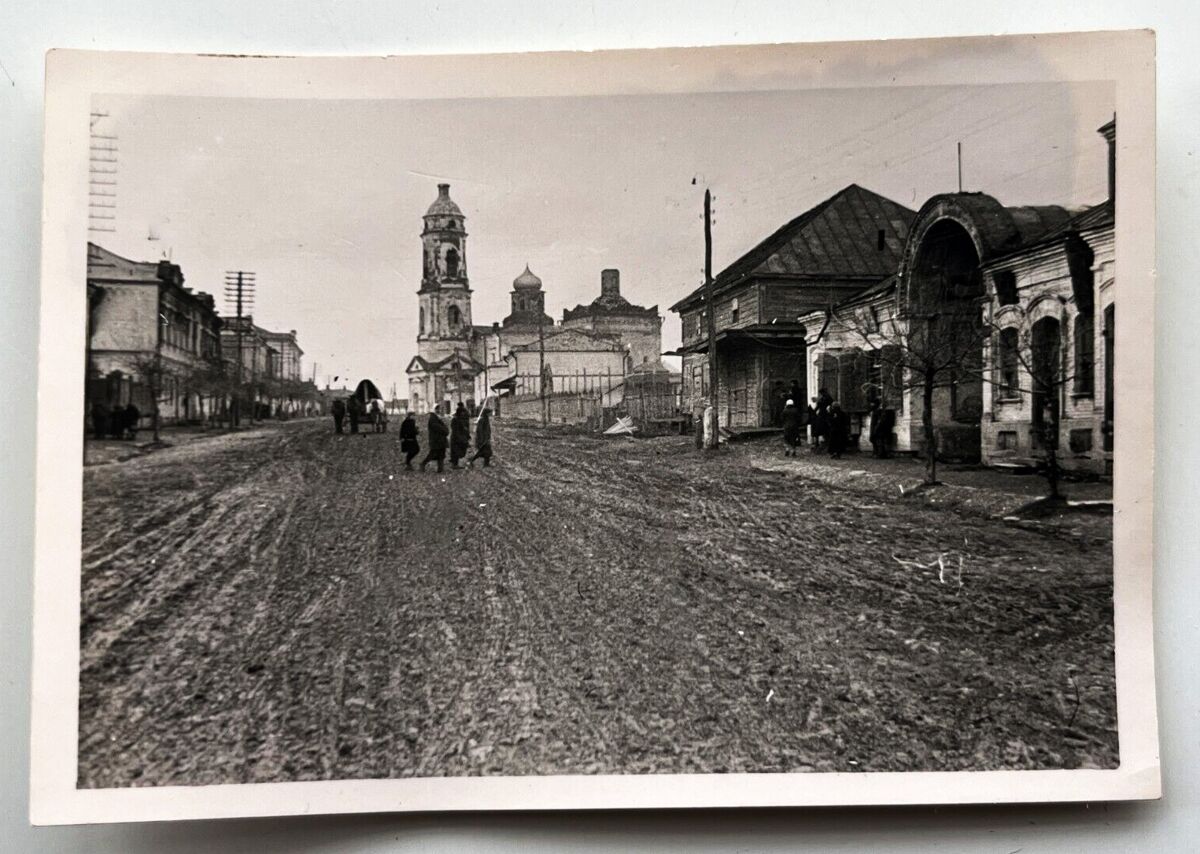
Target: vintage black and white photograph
640	433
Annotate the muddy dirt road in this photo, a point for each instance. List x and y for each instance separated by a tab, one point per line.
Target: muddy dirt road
291	605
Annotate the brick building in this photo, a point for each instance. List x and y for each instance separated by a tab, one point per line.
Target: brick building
611	314
143	321
1042	280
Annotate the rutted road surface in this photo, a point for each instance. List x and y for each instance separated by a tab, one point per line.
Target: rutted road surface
288	604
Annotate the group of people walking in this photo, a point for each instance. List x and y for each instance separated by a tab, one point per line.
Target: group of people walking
115	422
455	438
830	425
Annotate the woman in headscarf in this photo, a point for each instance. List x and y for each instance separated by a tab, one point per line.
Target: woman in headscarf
483	439
791	428
460	435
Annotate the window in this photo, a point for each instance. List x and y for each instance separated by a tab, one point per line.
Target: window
1006	440
1006	287
1009	362
453	317
881	239
421	320
1085	354
452	263
733	307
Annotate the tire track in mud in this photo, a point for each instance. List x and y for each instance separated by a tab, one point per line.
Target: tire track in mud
583	606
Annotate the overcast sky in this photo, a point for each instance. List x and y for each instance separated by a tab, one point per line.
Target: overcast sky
323	199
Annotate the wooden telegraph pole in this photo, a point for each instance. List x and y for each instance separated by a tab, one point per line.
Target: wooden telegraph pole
239	290
542	369
710	309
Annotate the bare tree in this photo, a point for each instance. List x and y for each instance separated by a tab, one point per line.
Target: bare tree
922	352
1030	361
152	371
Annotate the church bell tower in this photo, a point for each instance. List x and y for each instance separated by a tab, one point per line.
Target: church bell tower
444	322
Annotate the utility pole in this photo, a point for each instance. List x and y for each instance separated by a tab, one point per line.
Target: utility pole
710	309
960	166
239	289
542	368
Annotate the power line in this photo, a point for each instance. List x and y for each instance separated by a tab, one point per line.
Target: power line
102	169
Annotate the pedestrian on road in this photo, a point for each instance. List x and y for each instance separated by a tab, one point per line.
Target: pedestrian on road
796	395
814	424
821	407
882	423
839	431
437	442
339	415
354	409
460	435
133	416
100	415
408	439
791	428
483	439
116	422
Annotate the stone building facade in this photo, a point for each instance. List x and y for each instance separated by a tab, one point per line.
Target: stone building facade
611	314
1041	284
449	348
458	361
141	319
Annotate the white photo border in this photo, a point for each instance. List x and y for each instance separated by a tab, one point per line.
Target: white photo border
73	77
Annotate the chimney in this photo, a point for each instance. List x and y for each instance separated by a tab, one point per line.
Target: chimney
1109	132
610	283
443	191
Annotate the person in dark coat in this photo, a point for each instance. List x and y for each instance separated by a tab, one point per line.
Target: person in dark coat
438	434
132	417
883	422
460	435
796	395
839	431
338	411
791	428
822	405
815	423
483	439
100	416
354	409
116	422
408	439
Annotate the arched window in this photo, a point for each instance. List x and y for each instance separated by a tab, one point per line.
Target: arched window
1085	353
1009	362
452	263
453	317
450	224
422	320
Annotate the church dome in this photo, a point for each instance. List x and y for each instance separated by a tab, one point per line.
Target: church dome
443	205
527	280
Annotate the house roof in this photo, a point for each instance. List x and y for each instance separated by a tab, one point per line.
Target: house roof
839	238
1097	216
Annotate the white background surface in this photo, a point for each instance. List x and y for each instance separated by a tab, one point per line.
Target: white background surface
26	31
